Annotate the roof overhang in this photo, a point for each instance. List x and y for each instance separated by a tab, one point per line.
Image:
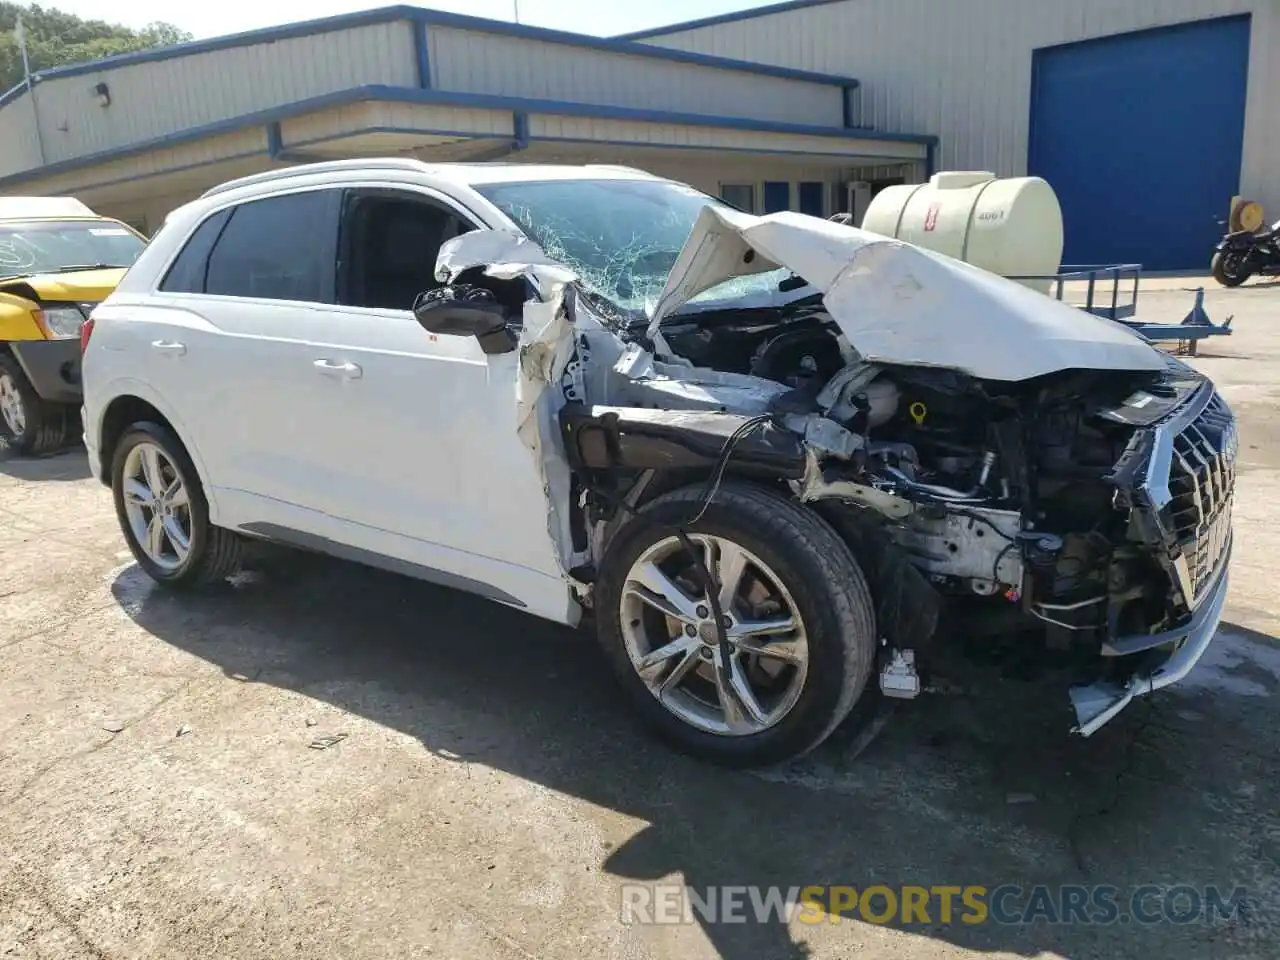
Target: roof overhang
378	120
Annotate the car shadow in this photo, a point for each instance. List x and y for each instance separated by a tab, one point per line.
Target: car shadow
980	786
68	463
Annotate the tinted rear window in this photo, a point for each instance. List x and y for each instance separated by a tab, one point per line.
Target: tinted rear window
279	248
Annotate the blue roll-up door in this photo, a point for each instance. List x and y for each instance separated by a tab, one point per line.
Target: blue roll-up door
1141	136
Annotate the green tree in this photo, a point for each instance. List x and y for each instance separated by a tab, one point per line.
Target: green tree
55	39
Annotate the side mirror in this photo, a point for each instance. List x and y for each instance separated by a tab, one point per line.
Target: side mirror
443	312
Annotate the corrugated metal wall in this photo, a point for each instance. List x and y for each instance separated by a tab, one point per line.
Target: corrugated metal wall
19	147
150	100
477	62
963	70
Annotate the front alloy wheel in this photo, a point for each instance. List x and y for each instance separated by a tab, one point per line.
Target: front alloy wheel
799	623
670	634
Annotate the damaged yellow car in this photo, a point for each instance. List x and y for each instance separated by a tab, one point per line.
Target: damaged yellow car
58	260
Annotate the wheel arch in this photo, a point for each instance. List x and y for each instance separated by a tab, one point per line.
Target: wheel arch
135	403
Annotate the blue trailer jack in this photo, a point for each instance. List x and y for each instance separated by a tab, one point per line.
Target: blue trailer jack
1194	328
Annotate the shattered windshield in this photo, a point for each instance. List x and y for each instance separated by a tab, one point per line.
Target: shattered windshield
621	237
53	246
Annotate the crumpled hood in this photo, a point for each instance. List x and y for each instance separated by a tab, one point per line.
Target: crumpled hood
900	304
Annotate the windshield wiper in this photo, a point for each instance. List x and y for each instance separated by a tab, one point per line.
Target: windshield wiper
74	267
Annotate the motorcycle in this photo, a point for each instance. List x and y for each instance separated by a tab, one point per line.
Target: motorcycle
1242	253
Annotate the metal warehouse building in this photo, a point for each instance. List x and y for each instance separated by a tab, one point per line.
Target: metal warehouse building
1147	116
136	135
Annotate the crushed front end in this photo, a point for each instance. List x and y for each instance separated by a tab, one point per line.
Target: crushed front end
1006	470
1176	481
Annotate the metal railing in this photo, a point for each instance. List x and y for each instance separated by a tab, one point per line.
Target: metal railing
1097	276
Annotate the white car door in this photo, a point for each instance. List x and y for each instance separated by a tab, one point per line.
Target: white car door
345	426
415	434
240	294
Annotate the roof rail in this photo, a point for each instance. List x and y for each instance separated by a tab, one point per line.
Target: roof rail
309	169
625	168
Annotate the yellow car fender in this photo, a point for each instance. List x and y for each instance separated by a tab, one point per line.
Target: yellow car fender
18	319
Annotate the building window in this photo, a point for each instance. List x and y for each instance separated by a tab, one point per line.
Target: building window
777	196
813	198
740	195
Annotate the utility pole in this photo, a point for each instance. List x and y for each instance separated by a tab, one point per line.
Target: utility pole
20	34
515	5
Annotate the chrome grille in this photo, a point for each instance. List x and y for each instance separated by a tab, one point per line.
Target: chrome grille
1201	481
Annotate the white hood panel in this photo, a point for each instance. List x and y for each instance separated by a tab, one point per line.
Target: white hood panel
900	304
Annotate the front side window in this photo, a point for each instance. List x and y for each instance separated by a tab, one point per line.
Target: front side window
621	237
390	242
64	246
278	248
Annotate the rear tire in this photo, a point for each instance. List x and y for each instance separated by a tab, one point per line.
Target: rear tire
29	424
1229	269
183	548
818	579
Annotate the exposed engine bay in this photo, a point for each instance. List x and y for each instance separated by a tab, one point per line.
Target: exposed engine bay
1084	510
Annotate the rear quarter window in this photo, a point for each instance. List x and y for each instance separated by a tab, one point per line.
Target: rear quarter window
277	248
187	274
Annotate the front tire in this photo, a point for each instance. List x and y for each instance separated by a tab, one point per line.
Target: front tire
800	618
1230	268
163	512
29	424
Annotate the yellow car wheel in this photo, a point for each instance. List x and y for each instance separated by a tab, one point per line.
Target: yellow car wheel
27	423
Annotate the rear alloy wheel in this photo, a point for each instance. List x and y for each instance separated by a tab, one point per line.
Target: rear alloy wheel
27	423
163	512
798	623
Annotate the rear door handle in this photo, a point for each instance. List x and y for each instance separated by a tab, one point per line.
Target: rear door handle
340	369
169	347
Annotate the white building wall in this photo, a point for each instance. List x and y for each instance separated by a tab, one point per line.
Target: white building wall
19	147
962	70
150	100
477	62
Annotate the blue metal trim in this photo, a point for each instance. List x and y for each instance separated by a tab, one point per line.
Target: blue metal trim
750	14
275	140
377	92
422	53
13	93
639	144
520	126
421	16
330	138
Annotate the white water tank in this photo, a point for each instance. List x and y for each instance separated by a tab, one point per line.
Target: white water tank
1010	227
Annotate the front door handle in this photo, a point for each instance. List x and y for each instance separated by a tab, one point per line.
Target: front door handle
340	369
169	347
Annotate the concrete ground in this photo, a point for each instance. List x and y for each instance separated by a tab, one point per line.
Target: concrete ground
159	795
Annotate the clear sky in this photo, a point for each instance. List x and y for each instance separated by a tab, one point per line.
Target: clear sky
211	18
